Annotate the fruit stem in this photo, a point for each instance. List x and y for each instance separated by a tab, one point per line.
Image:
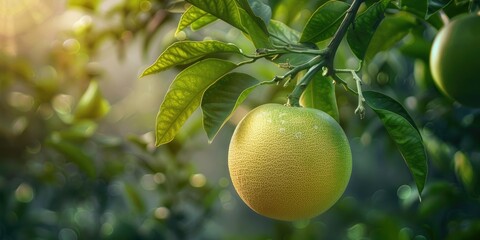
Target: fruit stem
294	97
444	17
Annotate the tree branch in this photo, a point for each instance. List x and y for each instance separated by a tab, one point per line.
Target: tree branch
328	56
337	38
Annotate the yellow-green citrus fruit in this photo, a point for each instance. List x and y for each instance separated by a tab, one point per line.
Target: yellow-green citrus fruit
289	163
455	60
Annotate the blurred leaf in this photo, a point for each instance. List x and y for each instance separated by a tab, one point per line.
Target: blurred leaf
194	126
391	30
87	4
440	153
134	198
436	5
404	133
320	94
79	130
417	7
92	105
196	18
324	21
186	52
369	3
361	32
417	46
438	196
74	154
423	76
185	94
222	99
464	170
283	34
211	197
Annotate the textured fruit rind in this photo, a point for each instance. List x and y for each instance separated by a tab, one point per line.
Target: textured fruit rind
289	163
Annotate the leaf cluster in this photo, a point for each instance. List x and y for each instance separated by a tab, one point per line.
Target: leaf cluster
213	85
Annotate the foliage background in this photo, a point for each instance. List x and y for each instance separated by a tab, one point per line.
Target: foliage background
99	176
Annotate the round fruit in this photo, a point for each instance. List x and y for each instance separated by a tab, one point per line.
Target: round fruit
289	163
455	60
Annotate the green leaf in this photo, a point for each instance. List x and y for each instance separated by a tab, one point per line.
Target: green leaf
258	36
227	10
231	12
186	52
222	99
258	11
196	18
185	94
363	28
324	21
202	22
320	94
391	30
283	34
381	101
417	7
261	9
404	133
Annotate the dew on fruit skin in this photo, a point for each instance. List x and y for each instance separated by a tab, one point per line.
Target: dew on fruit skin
282	130
315	127
298	135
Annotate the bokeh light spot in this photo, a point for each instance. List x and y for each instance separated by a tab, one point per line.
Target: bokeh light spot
21	101
159	178
145	6
198	180
356	231
148	182
404	192
24	193
67	234
161	213
71	45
